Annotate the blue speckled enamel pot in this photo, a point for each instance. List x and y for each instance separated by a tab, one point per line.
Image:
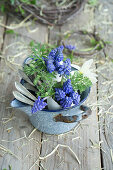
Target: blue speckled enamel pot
55	122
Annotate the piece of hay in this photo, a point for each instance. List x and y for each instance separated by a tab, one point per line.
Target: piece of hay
55	149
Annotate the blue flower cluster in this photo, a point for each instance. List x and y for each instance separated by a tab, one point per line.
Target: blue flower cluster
70	47
38	105
54	62
66	95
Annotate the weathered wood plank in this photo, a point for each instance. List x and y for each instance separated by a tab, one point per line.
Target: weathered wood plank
105	101
104	25
80	139
3	21
27	148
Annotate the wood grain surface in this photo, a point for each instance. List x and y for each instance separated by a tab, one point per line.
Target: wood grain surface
14	124
91	142
104	25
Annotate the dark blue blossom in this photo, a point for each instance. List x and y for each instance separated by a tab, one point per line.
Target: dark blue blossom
67	87
65	68
60	69
38	105
61	47
59	94
66	102
59	55
67	65
52	54
54	62
50	67
54	58
58	64
75	97
70	47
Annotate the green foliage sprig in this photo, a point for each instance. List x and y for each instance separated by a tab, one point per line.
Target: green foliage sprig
93	2
5	5
42	79
80	82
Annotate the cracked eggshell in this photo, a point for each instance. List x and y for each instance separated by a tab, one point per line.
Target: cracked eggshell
52	104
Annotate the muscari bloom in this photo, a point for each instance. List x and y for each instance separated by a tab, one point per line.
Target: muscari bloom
50	66
66	102
65	68
55	56
67	87
67	96
61	47
75	97
70	47
59	55
39	104
59	94
54	62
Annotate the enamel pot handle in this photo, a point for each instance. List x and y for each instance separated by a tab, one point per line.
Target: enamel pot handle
75	118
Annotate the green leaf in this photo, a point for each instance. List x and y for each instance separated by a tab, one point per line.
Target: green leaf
79	82
10	32
2	8
33	2
31	43
10	168
12	2
71	56
93	2
21	10
108	42
93	42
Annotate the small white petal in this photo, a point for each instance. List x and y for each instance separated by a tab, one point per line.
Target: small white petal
72	73
93	79
57	78
87	64
61	62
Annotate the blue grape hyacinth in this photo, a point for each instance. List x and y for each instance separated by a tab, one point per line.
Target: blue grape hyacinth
50	66
39	104
59	56
54	62
66	95
54	59
59	94
75	97
61	47
65	68
66	102
70	47
67	87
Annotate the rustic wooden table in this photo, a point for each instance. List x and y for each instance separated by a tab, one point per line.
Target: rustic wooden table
92	140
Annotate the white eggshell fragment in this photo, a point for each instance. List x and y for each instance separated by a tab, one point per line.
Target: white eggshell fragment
52	104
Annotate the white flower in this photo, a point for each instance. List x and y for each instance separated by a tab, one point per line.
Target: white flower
87	71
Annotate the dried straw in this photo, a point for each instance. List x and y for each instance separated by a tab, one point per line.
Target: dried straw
55	149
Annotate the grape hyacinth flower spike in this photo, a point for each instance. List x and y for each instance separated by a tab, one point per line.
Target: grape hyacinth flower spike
39	104
67	87
70	47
